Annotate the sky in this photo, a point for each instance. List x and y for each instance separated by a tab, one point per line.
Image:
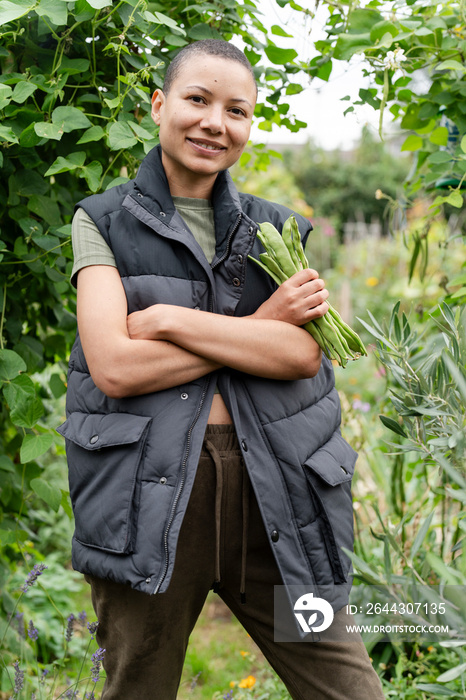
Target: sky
320	102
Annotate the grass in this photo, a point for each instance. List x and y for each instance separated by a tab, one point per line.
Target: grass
220	652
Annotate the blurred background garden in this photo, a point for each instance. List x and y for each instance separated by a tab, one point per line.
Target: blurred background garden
389	227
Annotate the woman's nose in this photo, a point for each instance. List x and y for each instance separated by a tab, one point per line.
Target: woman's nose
213	120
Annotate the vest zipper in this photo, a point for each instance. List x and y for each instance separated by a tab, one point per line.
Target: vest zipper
232	233
180	488
191	428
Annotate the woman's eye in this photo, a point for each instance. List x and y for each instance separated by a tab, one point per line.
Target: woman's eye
238	111
197	99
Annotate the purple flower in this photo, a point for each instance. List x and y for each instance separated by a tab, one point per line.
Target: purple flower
19	678
70	693
90	696
92	627
20	624
96	659
69	627
363	406
44	675
32	576
228	695
82	617
32	631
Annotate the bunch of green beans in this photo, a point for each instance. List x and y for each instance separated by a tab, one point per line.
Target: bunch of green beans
284	257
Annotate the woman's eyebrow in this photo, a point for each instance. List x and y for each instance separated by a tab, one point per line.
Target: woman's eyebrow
209	92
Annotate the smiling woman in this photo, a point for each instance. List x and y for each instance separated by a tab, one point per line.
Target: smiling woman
204	122
196	400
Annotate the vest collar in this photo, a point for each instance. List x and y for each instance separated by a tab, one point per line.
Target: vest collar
151	187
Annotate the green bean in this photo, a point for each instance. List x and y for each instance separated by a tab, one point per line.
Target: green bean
284	257
272	241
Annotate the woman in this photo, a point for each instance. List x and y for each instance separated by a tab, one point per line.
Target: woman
190	381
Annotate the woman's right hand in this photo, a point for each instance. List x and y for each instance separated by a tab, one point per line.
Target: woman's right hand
298	300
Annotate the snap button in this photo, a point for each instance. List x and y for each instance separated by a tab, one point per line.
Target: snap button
251	230
94	439
274	536
240	259
162	213
244	445
343	470
140	194
148	580
184	396
163	480
197	308
236	281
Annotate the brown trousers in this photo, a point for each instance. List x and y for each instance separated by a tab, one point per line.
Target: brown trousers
146	637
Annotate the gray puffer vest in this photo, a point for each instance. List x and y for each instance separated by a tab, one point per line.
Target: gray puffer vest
132	461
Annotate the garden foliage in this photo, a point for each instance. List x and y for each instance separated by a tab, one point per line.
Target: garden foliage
75	119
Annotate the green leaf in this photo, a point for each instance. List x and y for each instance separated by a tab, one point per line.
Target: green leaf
66	503
439	157
70	118
446	573
452	673
279	31
51	495
47	130
5	95
92	173
10	11
451	64
112	104
421	535
438	690
99	4
33	446
280	56
11	364
439	136
121	136
55	10
392	425
350	44
22	91
412	143
7	134
203	31
455	198
463	144
63	165
18	391
57	386
73	66
95	133
46	209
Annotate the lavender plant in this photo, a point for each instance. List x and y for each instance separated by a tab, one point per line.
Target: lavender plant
74	674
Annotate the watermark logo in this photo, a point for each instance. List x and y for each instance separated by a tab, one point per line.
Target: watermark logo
321	612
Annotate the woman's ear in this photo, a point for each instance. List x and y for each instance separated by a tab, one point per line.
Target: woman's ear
158	99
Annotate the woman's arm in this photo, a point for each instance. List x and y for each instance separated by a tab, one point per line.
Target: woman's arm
121	366
269	343
164	346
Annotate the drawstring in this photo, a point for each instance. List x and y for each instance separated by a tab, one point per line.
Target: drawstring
214	453
244	545
216	458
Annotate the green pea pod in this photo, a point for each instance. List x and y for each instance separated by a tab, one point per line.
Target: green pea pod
298	246
273	266
271	239
354	341
275	277
287	236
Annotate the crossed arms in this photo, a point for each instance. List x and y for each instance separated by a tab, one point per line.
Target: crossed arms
164	345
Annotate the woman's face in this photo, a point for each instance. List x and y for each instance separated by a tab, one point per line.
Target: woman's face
205	121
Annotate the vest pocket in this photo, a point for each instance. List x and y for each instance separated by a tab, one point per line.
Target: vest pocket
104	453
329	472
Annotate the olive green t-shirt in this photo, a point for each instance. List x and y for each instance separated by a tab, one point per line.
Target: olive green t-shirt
90	248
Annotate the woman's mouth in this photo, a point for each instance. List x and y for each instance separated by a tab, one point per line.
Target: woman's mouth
206	145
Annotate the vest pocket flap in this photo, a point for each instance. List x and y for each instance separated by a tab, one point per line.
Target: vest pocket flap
94	431
334	461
